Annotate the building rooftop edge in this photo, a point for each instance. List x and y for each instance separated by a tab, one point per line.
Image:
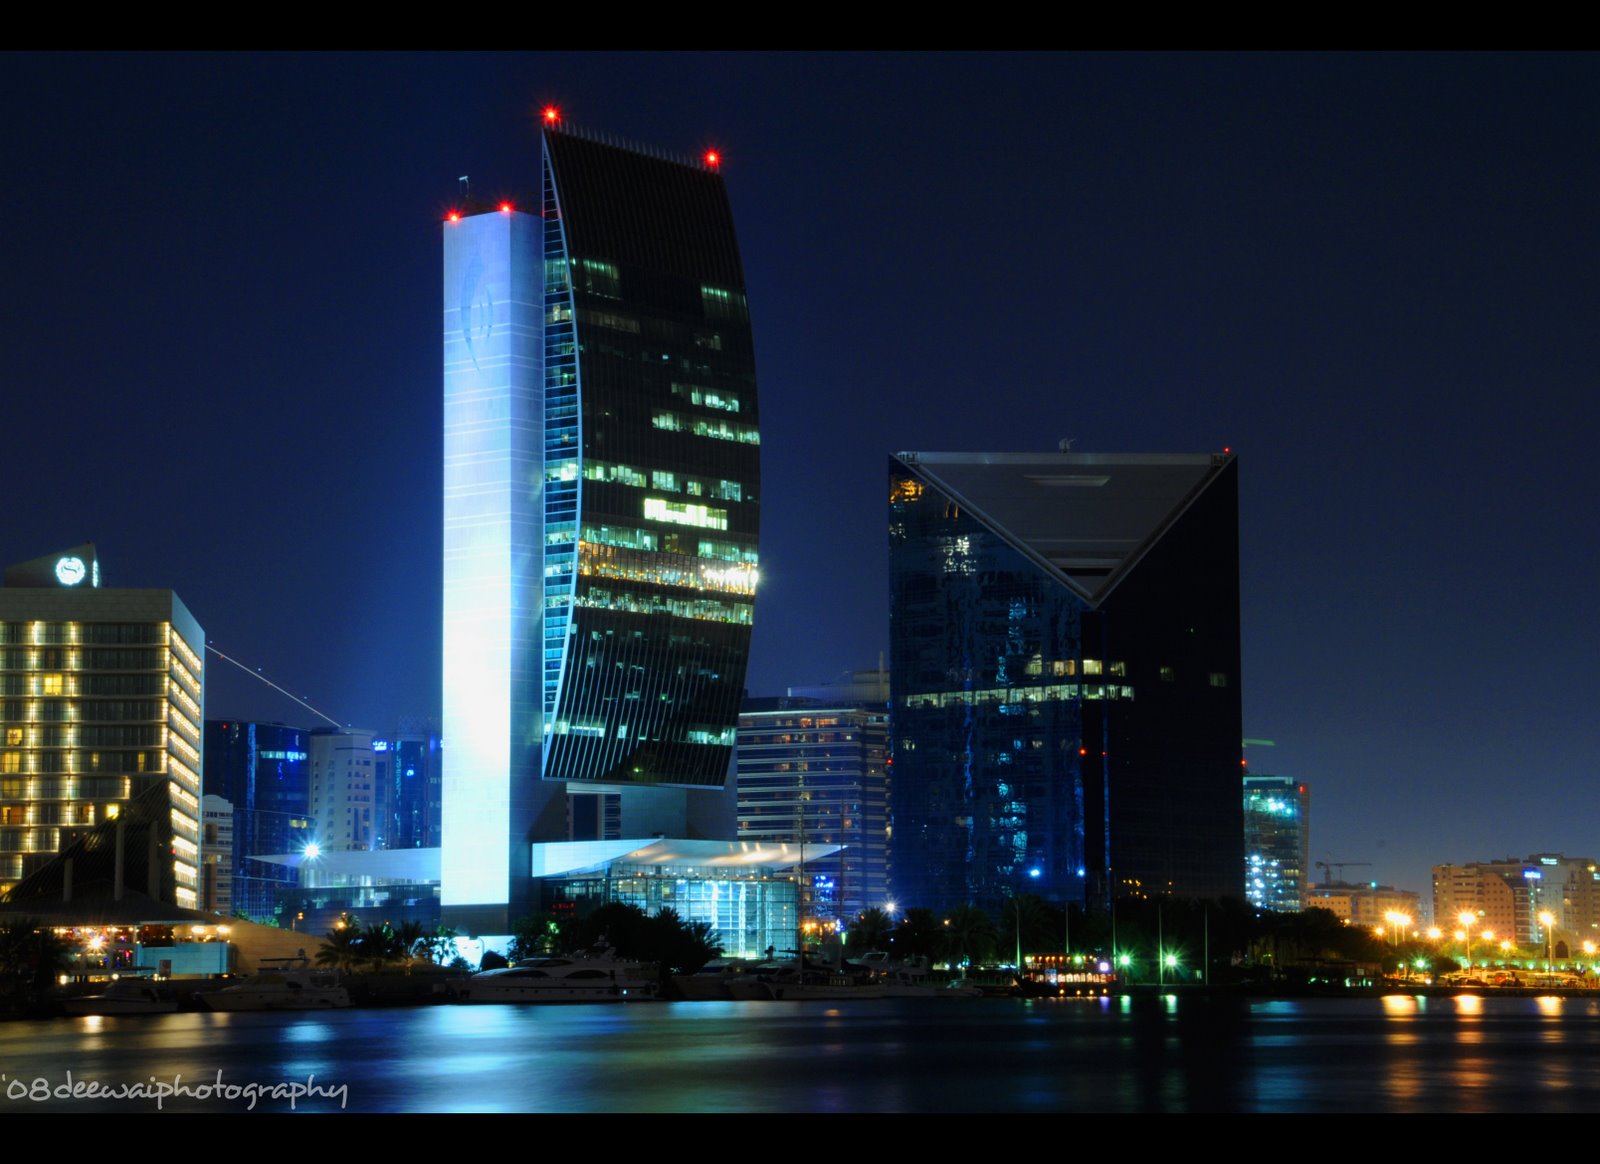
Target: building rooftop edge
1052	458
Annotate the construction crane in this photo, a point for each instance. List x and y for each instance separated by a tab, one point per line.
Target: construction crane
1328	867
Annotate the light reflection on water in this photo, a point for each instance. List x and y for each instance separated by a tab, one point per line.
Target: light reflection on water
1143	1053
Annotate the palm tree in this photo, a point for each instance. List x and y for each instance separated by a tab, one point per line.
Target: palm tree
412	941
870	932
919	935
30	958
969	935
705	936
440	945
682	947
341	949
534	936
379	945
1028	925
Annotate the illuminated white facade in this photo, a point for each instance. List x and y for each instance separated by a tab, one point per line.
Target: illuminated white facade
493	586
346	795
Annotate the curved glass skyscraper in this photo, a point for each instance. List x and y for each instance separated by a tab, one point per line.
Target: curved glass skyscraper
602	460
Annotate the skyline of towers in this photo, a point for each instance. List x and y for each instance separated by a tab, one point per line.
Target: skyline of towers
601	486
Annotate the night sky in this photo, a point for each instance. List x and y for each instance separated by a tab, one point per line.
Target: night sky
1375	278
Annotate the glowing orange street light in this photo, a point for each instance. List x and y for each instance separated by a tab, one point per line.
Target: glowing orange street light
1468	918
1548	921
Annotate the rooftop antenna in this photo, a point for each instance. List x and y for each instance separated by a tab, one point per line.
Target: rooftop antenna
464	186
1065	444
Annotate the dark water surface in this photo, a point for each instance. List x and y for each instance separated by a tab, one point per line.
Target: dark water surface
1153	1054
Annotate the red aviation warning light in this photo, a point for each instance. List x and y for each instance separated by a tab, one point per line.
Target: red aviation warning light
505	208
551	116
712	159
453	216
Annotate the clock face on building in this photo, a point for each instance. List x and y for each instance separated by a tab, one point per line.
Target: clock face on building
70	571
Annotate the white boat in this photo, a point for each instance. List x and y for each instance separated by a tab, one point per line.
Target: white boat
123	996
913	978
711	980
901	984
792	983
595	977
282	984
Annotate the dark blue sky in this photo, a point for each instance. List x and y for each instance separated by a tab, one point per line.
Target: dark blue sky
1374	277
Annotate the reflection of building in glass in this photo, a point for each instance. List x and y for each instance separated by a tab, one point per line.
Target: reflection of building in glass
101	695
1277	842
812	771
1064	638
1509	895
263	769
601	487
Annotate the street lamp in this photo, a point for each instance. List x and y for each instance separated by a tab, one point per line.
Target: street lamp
1400	921
1548	921
1468	918
1017	901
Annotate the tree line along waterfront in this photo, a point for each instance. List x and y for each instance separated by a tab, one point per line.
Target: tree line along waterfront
1140	943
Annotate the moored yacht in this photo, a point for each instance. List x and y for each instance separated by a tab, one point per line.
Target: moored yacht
123	996
594	977
281	984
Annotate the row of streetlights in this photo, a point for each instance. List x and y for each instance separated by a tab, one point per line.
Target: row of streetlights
1468	920
1400	923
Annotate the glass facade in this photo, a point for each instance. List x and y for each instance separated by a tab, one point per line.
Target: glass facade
263	770
750	912
410	763
817	774
1276	842
652	469
1064	646
101	696
602	457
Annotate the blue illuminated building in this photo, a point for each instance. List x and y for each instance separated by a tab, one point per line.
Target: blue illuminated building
1064	661
601	481
408	766
1277	842
812	772
263	770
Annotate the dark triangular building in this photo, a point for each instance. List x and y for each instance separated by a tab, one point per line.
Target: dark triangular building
1065	676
